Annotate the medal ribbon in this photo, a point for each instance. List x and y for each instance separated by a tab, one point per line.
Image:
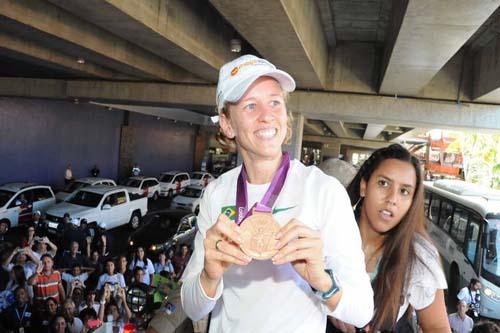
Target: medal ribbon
265	205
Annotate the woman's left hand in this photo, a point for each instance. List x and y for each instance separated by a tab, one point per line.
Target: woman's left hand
303	248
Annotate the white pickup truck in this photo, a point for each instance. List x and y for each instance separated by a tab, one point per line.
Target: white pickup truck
104	206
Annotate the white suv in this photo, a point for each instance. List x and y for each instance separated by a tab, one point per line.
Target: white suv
190	199
75	185
18	201
173	182
201	178
145	186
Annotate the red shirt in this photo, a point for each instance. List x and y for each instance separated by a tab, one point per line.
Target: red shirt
46	286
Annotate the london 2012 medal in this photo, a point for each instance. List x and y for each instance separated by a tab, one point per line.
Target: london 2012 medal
258	233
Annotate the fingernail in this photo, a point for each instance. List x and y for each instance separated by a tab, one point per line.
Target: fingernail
278	245
278	235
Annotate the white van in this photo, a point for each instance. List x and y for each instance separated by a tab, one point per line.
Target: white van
18	201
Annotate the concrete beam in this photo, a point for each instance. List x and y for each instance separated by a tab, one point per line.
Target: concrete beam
340	130
287	32
486	84
22	48
372	131
349	142
431	32
312	127
408	112
53	26
183	115
189	33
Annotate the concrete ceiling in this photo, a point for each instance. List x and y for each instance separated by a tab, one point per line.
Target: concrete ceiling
436	57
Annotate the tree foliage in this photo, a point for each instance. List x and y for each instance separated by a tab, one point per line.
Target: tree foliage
481	157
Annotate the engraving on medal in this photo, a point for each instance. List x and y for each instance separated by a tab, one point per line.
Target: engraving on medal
258	233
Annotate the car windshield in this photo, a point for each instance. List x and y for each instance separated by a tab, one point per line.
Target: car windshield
196	175
166	178
192	192
491	257
5	196
84	198
133	183
73	186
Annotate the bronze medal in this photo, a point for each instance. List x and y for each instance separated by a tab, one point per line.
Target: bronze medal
258	233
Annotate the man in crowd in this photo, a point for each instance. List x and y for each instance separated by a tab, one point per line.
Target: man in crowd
95	171
18	317
460	322
73	257
471	295
68	175
46	282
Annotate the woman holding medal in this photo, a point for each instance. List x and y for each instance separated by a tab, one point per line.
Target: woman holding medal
277	247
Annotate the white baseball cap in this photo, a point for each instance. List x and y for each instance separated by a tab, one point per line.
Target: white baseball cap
236	76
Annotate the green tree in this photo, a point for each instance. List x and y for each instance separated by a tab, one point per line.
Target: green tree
481	157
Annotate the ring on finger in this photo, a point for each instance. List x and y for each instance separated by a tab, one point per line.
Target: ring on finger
217	244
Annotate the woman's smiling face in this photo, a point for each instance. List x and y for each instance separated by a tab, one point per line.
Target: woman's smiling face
259	120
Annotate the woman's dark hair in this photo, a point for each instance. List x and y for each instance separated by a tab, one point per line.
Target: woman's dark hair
144	258
486	327
19	276
473	281
398	252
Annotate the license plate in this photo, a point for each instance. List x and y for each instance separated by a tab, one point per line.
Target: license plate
53	225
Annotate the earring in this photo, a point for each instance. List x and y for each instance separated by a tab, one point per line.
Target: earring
357	203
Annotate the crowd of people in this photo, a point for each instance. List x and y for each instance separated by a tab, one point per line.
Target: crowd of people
72	281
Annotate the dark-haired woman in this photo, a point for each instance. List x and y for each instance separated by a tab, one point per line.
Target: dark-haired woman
404	266
140	260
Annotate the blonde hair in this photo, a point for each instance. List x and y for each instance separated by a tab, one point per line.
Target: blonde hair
230	143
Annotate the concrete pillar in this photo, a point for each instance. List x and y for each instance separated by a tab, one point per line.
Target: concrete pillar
294	147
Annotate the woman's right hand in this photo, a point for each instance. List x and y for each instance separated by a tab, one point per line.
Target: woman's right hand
222	248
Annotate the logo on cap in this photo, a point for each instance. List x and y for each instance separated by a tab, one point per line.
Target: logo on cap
234	71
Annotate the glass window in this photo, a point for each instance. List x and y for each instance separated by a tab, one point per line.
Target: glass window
434	209
22	198
116	199
427	202
41	194
471	241
491	254
183	227
460	218
445	215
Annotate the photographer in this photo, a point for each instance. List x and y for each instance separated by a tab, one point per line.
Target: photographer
115	308
20	257
78	275
110	276
471	295
42	245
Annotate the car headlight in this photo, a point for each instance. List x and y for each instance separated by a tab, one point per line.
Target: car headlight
491	294
156	247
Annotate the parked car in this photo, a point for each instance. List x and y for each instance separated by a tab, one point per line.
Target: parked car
104	206
145	186
75	185
189	199
164	229
201	178
173	182
18	201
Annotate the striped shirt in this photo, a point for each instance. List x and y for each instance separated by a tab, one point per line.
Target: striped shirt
46	286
